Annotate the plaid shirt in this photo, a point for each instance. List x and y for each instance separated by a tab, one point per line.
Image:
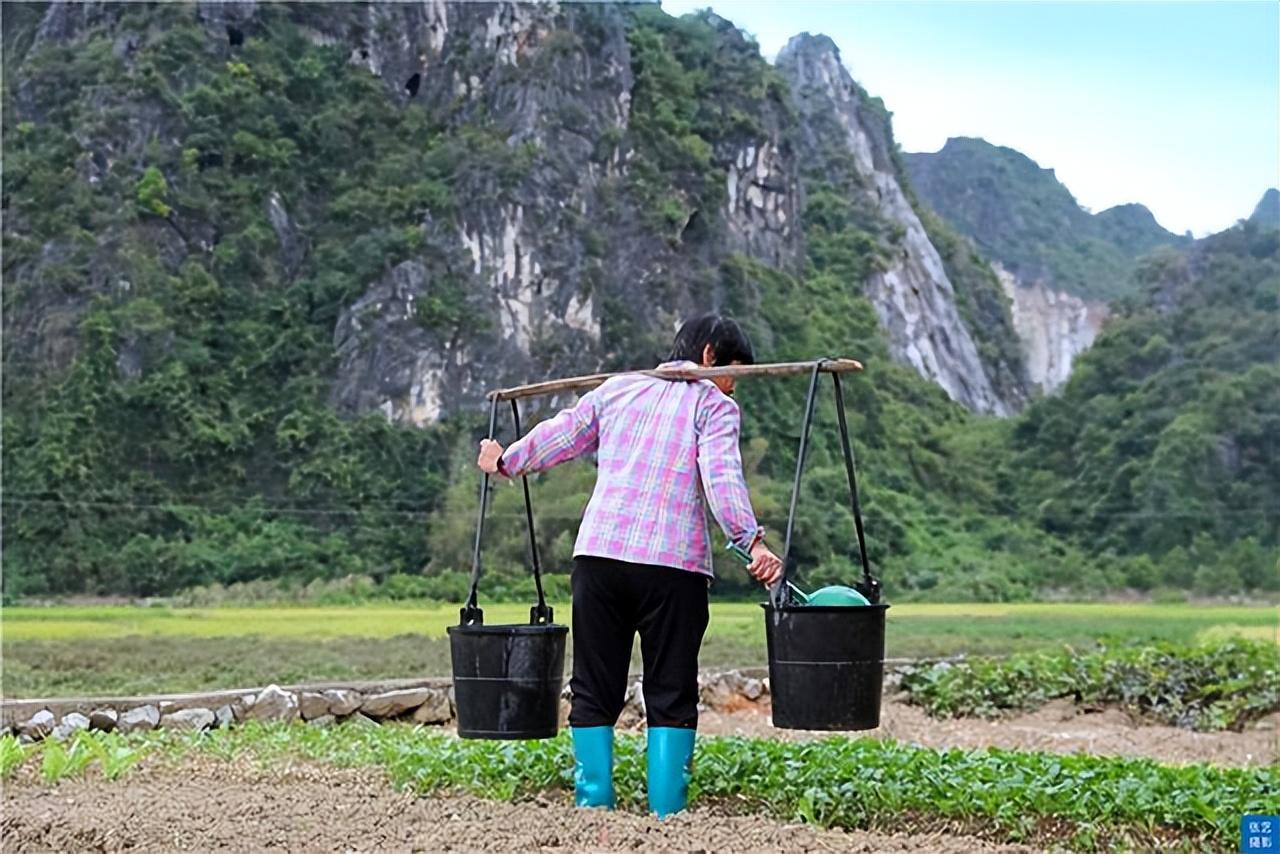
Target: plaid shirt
662	447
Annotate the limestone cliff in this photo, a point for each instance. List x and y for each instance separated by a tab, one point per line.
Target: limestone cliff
1055	327
553	255
913	295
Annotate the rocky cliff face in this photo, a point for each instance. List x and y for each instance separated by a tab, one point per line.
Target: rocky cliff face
1054	328
548	255
532	295
913	296
547	259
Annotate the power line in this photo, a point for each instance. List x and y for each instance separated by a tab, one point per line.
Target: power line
373	508
180	500
171	506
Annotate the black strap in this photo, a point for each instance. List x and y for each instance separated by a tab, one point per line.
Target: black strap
779	591
471	613
541	613
868	586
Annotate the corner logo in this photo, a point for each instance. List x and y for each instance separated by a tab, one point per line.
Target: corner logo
1259	833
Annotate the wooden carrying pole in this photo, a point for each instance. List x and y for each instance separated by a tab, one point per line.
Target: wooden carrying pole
773	369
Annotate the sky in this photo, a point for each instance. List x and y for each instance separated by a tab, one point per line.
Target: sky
1175	105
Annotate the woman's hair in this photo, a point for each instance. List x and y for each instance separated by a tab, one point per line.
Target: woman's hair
727	340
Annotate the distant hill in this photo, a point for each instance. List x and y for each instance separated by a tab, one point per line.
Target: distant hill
1163	440
1267	213
1022	216
1133	230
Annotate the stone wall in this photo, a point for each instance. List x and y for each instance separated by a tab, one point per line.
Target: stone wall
421	701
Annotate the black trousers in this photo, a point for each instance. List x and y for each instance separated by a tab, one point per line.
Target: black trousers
612	600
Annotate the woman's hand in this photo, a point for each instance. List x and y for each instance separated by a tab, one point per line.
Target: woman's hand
490	453
765	566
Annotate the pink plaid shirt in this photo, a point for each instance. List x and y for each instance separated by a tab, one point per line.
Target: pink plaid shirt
662	447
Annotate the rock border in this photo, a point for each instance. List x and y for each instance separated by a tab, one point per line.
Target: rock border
420	701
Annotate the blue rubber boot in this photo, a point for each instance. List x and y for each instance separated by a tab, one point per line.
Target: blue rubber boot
593	766
670	768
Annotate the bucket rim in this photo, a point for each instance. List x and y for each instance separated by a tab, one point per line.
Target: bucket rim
824	609
509	629
508	735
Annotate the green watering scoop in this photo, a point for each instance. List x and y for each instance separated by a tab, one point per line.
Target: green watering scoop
836	594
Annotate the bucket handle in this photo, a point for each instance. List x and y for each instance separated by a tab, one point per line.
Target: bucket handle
868	586
541	613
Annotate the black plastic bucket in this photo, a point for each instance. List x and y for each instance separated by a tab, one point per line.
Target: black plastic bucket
826	665
507	679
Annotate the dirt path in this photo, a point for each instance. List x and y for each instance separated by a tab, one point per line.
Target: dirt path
1059	727
205	804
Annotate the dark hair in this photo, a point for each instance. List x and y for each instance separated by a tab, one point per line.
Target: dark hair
727	340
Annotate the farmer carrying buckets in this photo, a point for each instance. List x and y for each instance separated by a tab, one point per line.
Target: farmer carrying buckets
642	562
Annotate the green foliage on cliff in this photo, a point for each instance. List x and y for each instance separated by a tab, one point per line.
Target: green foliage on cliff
690	79
191	440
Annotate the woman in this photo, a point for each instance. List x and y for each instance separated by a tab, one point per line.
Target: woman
642	562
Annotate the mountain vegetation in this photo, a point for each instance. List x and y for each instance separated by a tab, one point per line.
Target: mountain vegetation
1020	215
169	356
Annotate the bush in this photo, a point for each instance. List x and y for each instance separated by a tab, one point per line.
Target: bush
1208	687
450	587
1168	596
152	190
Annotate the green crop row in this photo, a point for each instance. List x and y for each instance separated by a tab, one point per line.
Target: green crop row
1210	686
839	782
114	754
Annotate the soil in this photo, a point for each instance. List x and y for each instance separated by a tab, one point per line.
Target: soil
205	804
201	803
1059	727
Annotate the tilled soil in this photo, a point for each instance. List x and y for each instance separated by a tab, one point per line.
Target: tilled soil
1059	727
204	804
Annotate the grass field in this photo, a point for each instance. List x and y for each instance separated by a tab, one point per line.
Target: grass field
123	650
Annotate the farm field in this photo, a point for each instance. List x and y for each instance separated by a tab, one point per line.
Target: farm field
61	651
1064	774
169	806
891	795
